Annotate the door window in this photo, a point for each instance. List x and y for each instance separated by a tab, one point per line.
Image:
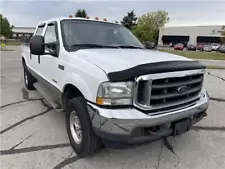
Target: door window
50	37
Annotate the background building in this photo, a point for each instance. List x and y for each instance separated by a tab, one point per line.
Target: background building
190	35
23	32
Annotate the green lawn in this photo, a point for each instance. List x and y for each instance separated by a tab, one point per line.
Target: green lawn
215	67
197	54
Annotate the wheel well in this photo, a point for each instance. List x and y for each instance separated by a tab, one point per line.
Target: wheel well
70	91
23	62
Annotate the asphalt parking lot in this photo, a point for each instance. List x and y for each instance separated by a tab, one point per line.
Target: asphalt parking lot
33	136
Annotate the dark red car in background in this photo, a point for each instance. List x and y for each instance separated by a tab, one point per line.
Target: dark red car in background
179	46
200	46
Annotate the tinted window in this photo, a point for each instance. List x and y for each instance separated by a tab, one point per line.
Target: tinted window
39	30
50	34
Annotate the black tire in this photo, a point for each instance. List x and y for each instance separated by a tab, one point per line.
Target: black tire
90	142
29	80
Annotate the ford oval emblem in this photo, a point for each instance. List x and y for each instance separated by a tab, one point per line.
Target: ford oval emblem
182	89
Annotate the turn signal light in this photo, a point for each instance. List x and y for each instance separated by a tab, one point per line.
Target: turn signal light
99	100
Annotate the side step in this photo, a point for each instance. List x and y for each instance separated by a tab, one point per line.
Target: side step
46	93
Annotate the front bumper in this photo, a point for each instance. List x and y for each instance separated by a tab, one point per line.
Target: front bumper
191	48
207	50
130	125
214	49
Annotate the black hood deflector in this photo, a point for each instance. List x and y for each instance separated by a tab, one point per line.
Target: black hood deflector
152	68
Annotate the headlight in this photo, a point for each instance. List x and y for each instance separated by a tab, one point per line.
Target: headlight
115	93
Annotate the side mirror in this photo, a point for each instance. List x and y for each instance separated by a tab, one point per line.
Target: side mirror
37	46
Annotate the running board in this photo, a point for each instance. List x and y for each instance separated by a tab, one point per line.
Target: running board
46	93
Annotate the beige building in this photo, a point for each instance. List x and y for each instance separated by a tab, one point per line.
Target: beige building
190	35
23	32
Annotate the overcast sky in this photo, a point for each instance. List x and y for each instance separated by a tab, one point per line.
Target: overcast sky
181	13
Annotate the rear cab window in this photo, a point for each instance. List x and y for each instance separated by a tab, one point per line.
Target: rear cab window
40	29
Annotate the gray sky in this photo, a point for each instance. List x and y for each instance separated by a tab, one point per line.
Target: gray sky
181	13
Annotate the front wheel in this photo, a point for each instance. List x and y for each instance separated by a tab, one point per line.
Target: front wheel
82	138
29	80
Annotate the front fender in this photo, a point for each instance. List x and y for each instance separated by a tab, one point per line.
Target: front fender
88	86
25	54
85	76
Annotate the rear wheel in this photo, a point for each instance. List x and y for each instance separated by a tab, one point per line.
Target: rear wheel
29	80
83	139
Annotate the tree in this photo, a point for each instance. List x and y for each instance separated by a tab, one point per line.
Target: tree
223	34
6	29
81	13
129	20
148	25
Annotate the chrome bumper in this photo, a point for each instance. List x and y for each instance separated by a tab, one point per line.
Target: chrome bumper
121	124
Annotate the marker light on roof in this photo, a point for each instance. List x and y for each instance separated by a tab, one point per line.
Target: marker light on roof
70	16
96	18
87	17
104	19
116	22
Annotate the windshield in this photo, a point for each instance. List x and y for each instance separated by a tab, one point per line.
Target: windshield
75	33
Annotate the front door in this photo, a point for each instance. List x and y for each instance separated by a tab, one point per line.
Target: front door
48	66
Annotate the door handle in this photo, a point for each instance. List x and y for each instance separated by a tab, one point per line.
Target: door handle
61	67
39	59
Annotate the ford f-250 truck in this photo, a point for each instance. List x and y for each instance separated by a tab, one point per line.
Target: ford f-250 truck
111	87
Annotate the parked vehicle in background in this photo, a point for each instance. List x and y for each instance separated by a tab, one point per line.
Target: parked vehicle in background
179	46
112	89
150	45
215	46
221	49
172	44
191	47
207	48
200	46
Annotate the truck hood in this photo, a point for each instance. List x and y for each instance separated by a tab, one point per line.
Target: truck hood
111	60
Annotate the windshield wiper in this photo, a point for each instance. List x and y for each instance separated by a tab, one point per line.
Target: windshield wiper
93	46
129	47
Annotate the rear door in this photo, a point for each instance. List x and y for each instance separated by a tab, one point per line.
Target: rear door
35	59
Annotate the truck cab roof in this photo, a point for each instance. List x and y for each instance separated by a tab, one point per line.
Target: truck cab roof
75	18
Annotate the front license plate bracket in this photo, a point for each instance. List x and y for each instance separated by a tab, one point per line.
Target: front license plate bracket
181	127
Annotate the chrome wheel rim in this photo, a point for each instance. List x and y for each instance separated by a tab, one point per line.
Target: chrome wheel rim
25	77
75	127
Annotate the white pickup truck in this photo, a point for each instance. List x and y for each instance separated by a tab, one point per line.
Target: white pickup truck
111	87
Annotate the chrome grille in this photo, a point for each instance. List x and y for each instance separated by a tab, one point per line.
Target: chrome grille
165	91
